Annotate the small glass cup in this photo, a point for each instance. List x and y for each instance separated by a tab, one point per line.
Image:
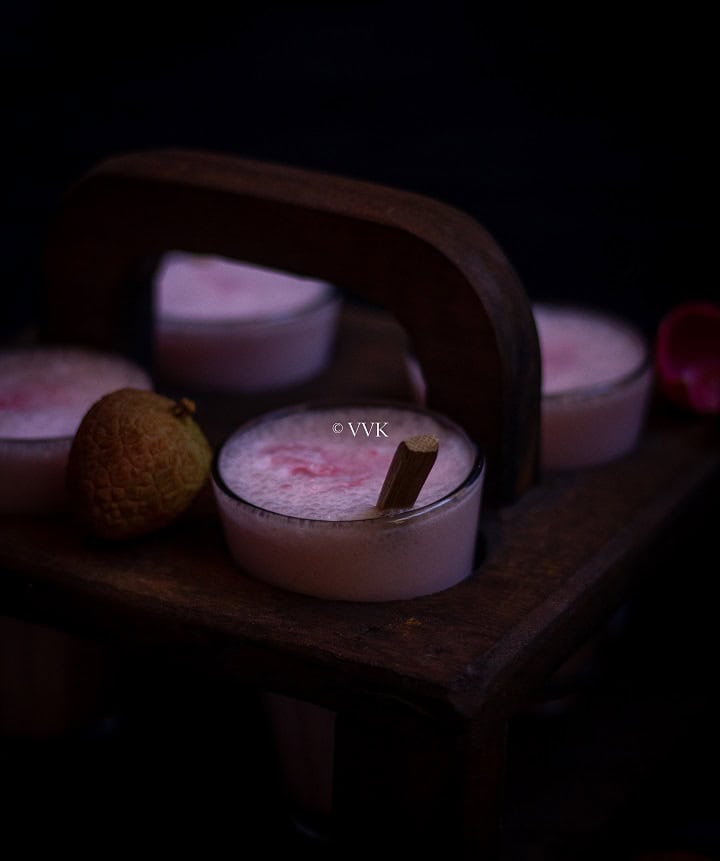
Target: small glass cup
221	325
44	394
378	556
591	422
597	382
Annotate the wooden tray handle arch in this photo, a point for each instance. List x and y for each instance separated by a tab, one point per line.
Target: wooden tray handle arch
436	269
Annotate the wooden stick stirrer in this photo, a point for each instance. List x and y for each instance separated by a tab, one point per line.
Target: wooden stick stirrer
410	466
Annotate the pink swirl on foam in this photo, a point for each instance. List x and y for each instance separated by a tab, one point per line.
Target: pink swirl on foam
46	391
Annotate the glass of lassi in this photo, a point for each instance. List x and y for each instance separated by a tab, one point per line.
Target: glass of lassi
297	490
44	393
228	326
597	379
596	385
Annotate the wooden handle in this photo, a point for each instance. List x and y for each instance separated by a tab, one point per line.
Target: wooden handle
435	268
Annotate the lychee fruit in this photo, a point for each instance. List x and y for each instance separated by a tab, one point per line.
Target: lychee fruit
137	462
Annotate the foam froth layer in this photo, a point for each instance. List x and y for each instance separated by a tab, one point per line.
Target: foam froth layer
211	289
582	349
45	392
329	464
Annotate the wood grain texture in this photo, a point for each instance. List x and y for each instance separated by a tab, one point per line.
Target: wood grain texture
408	470
439	272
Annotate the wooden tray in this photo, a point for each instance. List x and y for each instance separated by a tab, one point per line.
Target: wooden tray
424	689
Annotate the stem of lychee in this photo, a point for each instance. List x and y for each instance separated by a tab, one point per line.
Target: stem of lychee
183	407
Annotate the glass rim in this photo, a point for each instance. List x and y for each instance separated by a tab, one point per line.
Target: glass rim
476	472
606	387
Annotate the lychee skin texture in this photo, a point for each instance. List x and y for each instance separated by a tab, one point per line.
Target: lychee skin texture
136	463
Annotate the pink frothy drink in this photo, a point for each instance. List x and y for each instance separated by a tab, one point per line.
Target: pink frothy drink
225	325
296	491
596	383
44	394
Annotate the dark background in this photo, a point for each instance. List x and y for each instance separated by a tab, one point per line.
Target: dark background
578	135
